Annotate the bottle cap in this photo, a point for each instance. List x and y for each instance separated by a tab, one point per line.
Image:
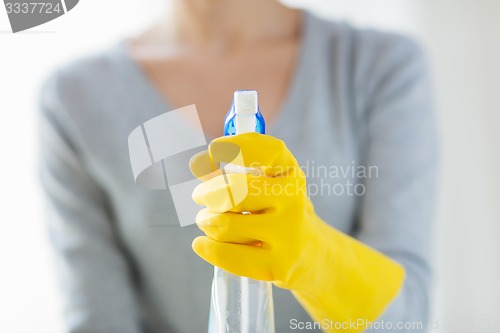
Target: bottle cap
245	102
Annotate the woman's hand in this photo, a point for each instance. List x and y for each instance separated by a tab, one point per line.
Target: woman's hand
276	241
262	225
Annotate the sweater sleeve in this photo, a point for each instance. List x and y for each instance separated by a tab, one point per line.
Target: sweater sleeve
396	212
98	294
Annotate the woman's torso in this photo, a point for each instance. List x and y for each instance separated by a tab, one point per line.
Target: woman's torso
321	121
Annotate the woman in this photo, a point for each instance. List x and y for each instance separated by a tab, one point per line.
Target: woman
337	96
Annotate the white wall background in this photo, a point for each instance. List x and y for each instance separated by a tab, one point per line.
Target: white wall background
461	37
465	53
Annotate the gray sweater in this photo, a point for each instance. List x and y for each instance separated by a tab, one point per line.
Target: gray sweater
358	99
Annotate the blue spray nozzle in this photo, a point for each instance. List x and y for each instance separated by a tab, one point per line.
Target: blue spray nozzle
230	127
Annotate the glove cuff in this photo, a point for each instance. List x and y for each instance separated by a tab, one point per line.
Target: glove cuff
342	279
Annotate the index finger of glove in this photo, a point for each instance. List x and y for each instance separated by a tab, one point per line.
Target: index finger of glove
254	150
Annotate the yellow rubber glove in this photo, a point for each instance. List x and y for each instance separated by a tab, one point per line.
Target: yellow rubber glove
335	277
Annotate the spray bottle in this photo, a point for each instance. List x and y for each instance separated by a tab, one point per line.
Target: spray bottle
240	304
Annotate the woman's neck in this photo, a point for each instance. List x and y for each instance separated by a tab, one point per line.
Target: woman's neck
220	26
